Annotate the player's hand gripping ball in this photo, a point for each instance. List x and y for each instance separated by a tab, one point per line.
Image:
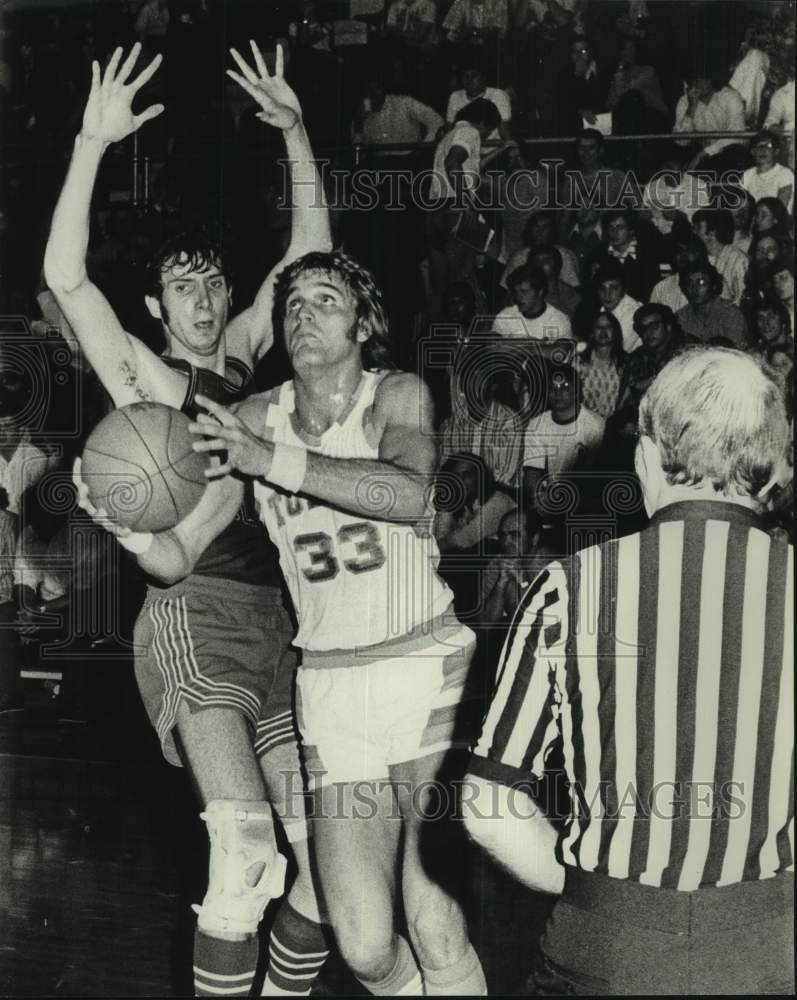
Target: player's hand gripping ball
140	468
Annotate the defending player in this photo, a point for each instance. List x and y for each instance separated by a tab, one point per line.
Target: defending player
213	661
347	451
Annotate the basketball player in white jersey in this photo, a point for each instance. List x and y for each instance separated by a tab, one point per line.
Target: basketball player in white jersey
213	661
343	458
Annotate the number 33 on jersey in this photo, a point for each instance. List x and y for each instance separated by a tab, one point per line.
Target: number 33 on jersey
354	581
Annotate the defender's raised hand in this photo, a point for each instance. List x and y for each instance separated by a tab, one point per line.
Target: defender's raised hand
109	113
280	105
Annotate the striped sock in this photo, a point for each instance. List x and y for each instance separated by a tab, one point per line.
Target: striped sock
223	968
297	949
405	978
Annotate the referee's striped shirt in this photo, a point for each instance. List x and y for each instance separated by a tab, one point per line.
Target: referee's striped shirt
663	664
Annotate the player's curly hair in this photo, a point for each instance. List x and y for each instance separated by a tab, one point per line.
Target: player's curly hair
195	247
376	350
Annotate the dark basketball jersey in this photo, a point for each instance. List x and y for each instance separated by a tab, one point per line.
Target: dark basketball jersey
242	551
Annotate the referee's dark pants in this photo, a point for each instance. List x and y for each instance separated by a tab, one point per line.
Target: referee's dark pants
609	936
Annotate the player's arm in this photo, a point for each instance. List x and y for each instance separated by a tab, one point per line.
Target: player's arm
497	805
394	487
250	334
171	555
127	369
510	827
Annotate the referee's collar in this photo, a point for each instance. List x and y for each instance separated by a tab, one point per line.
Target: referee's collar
707	510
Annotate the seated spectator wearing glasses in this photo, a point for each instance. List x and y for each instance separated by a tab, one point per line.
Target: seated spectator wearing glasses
563	436
474	87
772	341
561	296
707	316
687	249
634	247
600	365
580	95
609	295
531	316
662	339
709	106
540	231
714	226
769	178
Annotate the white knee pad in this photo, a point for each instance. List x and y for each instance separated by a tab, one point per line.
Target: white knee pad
241	838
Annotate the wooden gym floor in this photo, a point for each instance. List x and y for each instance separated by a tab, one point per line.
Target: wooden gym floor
102	853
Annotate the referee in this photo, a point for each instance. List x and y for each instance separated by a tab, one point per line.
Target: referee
662	665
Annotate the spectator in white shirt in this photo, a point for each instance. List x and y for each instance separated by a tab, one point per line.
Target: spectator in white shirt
540	231
455	176
609	283
780	116
714	226
706	106
562	438
396	118
769	178
475	86
531	316
687	249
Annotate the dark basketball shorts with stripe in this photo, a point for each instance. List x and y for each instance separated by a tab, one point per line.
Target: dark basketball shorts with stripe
361	711
217	644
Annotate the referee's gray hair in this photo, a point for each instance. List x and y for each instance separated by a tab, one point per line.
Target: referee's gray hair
714	414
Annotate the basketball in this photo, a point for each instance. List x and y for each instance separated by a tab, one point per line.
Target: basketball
138	464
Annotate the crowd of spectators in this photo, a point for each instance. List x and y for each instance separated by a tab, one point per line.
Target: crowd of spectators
559	266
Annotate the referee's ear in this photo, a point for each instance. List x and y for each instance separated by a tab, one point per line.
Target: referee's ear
647	463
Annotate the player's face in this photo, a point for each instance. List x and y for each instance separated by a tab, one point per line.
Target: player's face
321	320
194	307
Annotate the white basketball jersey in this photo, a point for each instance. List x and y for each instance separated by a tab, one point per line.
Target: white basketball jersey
354	581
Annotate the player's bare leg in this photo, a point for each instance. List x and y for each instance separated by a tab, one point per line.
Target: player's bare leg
245	869
437	927
299	939
355	841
